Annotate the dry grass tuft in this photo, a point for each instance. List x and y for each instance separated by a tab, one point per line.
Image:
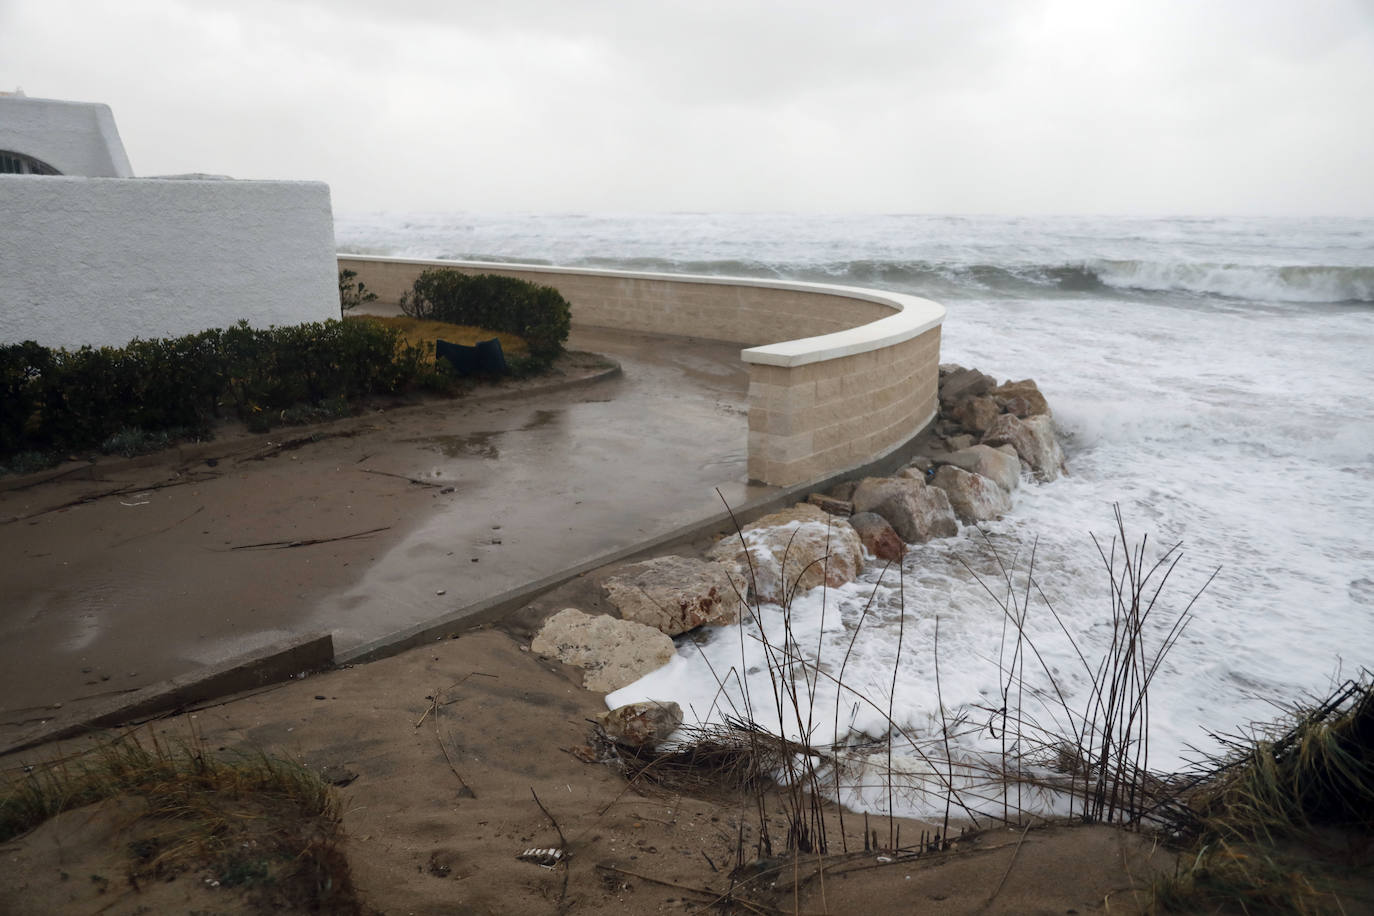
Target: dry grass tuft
253	821
1282	819
732	755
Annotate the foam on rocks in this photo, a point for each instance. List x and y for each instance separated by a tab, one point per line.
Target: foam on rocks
791	552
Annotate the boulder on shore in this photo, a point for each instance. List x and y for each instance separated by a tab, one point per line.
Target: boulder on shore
1034	441
959	383
992	463
1021	398
674	594
645	724
974	498
792	551
878	537
917	512
612	653
976	414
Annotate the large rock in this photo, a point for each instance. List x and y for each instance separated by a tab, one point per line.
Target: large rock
674	594
912	472
959	383
792	551
878	537
1022	398
843	490
992	463
646	724
612	653
1034	441
974	498
976	414
917	512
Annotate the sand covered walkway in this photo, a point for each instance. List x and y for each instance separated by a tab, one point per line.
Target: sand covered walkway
128	572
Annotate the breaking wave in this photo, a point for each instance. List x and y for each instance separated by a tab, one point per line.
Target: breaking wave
1237	281
1297	284
1290	284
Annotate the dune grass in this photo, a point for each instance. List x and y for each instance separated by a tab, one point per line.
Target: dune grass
248	820
1281	820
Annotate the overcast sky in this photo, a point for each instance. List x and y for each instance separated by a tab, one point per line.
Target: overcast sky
1022	106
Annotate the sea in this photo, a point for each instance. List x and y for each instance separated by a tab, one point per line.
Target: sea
1212	381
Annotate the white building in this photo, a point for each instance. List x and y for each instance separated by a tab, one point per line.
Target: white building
90	254
47	137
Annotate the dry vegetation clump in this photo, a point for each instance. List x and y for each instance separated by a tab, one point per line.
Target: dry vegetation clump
733	755
1282	819
266	826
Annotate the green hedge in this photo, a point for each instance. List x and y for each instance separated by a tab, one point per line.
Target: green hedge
537	313
65	400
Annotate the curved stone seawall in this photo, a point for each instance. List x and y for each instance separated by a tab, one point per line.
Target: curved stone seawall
838	376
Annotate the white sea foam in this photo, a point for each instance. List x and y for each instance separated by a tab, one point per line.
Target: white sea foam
1241	426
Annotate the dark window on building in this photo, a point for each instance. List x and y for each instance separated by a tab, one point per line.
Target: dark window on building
19	164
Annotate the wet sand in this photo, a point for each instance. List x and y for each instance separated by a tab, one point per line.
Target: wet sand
481	711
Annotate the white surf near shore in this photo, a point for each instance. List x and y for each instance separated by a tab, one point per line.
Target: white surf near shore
1213	377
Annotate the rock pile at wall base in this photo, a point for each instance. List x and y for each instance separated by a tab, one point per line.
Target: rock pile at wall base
988	437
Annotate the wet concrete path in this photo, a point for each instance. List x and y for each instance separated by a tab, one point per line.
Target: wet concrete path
549	483
125	573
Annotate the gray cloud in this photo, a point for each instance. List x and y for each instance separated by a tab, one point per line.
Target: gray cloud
1045	105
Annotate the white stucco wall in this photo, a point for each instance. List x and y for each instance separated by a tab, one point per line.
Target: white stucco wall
76	138
103	260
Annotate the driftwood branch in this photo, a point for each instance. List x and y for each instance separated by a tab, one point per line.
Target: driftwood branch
466	790
562	840
309	542
179	480
287	445
415	480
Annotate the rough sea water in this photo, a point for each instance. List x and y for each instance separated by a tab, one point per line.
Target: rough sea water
1212	377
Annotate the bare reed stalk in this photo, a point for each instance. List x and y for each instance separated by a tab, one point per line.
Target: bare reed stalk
1104	746
944	725
891	701
801	787
839	692
1100	744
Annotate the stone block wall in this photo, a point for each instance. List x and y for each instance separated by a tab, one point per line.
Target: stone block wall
811	420
854	377
715	308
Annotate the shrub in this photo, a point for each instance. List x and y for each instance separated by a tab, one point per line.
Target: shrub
128	399
352	291
539	314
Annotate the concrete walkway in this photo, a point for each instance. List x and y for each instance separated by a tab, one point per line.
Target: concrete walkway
555	481
124	574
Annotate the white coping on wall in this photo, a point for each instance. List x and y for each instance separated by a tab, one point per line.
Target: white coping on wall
76	138
913	315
